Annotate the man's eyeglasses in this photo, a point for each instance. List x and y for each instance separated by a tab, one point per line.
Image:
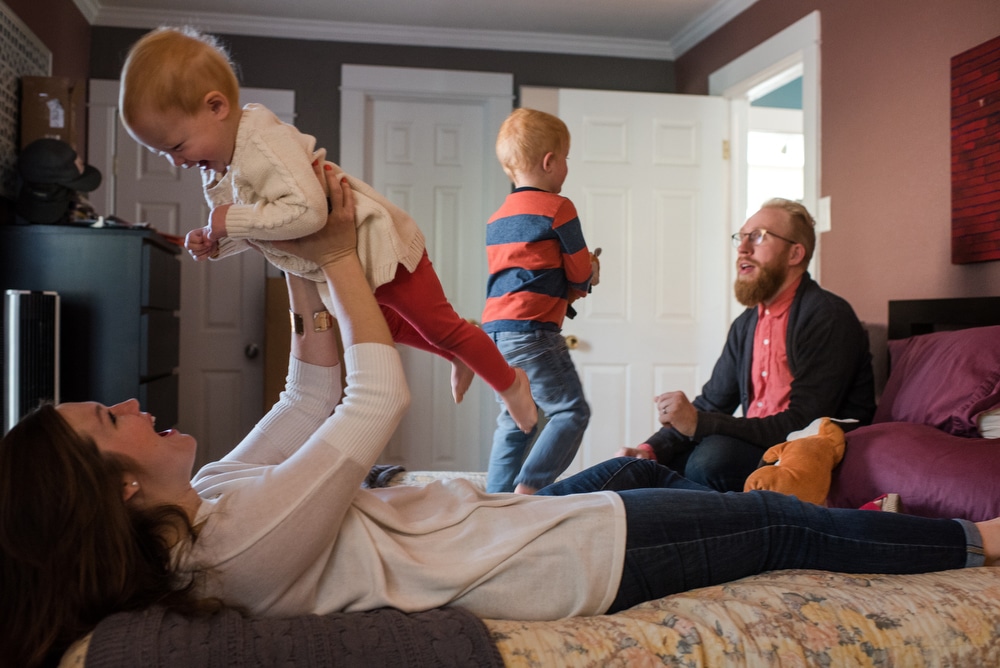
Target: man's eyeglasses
757	237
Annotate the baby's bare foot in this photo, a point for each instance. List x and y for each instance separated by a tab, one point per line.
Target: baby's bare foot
461	379
524	489
519	403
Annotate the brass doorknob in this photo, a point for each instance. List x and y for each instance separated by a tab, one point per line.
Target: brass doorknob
572	342
472	321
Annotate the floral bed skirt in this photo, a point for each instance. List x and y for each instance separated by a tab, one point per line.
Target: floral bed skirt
786	618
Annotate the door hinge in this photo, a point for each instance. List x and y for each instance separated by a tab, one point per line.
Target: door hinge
725	149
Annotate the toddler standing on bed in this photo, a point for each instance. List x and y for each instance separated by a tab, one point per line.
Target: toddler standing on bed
539	264
180	98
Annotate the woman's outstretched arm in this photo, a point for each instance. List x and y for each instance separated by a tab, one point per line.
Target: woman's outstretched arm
313	386
303	499
334	249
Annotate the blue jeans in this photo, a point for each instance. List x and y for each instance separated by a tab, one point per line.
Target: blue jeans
682	535
721	462
558	393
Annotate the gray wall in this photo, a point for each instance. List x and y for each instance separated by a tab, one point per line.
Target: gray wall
312	70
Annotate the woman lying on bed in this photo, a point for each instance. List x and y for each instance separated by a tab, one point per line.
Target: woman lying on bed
98	514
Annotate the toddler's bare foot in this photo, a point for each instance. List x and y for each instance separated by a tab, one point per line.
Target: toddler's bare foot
461	379
524	489
519	403
990	533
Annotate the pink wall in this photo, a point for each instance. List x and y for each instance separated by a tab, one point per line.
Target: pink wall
885	124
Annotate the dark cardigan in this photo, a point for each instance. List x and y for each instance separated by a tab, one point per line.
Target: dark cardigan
831	365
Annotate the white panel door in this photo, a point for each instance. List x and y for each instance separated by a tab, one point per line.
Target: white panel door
648	178
425	139
427	158
222	303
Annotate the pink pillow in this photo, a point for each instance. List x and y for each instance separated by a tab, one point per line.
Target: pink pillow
944	379
934	473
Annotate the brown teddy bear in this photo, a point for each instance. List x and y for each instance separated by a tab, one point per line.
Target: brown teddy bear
801	467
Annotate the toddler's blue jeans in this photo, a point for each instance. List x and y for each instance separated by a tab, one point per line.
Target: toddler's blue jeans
556	388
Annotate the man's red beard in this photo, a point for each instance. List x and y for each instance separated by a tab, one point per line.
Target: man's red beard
763	287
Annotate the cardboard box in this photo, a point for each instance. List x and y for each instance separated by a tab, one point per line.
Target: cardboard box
48	108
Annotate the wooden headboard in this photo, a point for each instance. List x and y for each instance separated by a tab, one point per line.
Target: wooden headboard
922	316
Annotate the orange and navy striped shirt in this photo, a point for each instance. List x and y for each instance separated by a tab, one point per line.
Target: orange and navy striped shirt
537	257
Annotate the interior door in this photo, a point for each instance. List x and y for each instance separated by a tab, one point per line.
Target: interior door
222	303
424	138
428	160
648	178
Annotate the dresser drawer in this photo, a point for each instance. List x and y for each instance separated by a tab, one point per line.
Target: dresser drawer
159	351
119	290
159	397
161	285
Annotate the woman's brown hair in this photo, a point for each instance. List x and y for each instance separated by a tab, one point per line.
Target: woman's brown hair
72	551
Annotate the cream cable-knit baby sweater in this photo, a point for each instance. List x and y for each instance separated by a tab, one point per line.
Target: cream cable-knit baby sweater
286	528
275	196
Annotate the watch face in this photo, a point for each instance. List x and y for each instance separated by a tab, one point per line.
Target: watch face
297	324
322	321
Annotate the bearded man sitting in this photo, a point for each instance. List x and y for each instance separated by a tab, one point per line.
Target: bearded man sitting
797	353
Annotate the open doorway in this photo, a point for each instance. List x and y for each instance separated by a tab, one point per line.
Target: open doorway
791	58
775	144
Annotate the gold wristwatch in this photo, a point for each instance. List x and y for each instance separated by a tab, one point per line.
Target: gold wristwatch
322	321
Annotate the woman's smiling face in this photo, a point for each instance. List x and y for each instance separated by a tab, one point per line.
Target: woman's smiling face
162	457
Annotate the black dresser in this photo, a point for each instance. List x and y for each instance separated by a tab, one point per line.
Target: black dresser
120	293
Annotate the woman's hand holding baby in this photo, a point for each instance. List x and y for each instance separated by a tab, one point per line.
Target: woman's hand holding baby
338	239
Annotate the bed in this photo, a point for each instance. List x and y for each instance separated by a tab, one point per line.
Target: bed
927	444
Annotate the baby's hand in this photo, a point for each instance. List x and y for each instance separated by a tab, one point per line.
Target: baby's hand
200	245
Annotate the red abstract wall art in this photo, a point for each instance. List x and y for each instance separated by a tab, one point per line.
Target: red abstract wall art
975	154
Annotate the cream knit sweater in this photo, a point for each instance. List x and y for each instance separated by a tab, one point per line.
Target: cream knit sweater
275	195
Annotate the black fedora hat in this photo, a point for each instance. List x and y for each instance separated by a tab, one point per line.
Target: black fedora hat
44	203
53	162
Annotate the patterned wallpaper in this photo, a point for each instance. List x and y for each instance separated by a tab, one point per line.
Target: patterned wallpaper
21	54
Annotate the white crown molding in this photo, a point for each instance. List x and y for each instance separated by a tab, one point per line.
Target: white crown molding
716	17
373	33
89	9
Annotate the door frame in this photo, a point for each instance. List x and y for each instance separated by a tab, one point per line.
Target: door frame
793	52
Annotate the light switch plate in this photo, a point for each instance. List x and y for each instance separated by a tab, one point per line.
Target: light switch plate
823	223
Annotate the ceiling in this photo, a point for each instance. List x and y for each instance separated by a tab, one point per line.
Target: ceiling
655	29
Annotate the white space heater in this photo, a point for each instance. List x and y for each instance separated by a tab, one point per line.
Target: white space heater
30	352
